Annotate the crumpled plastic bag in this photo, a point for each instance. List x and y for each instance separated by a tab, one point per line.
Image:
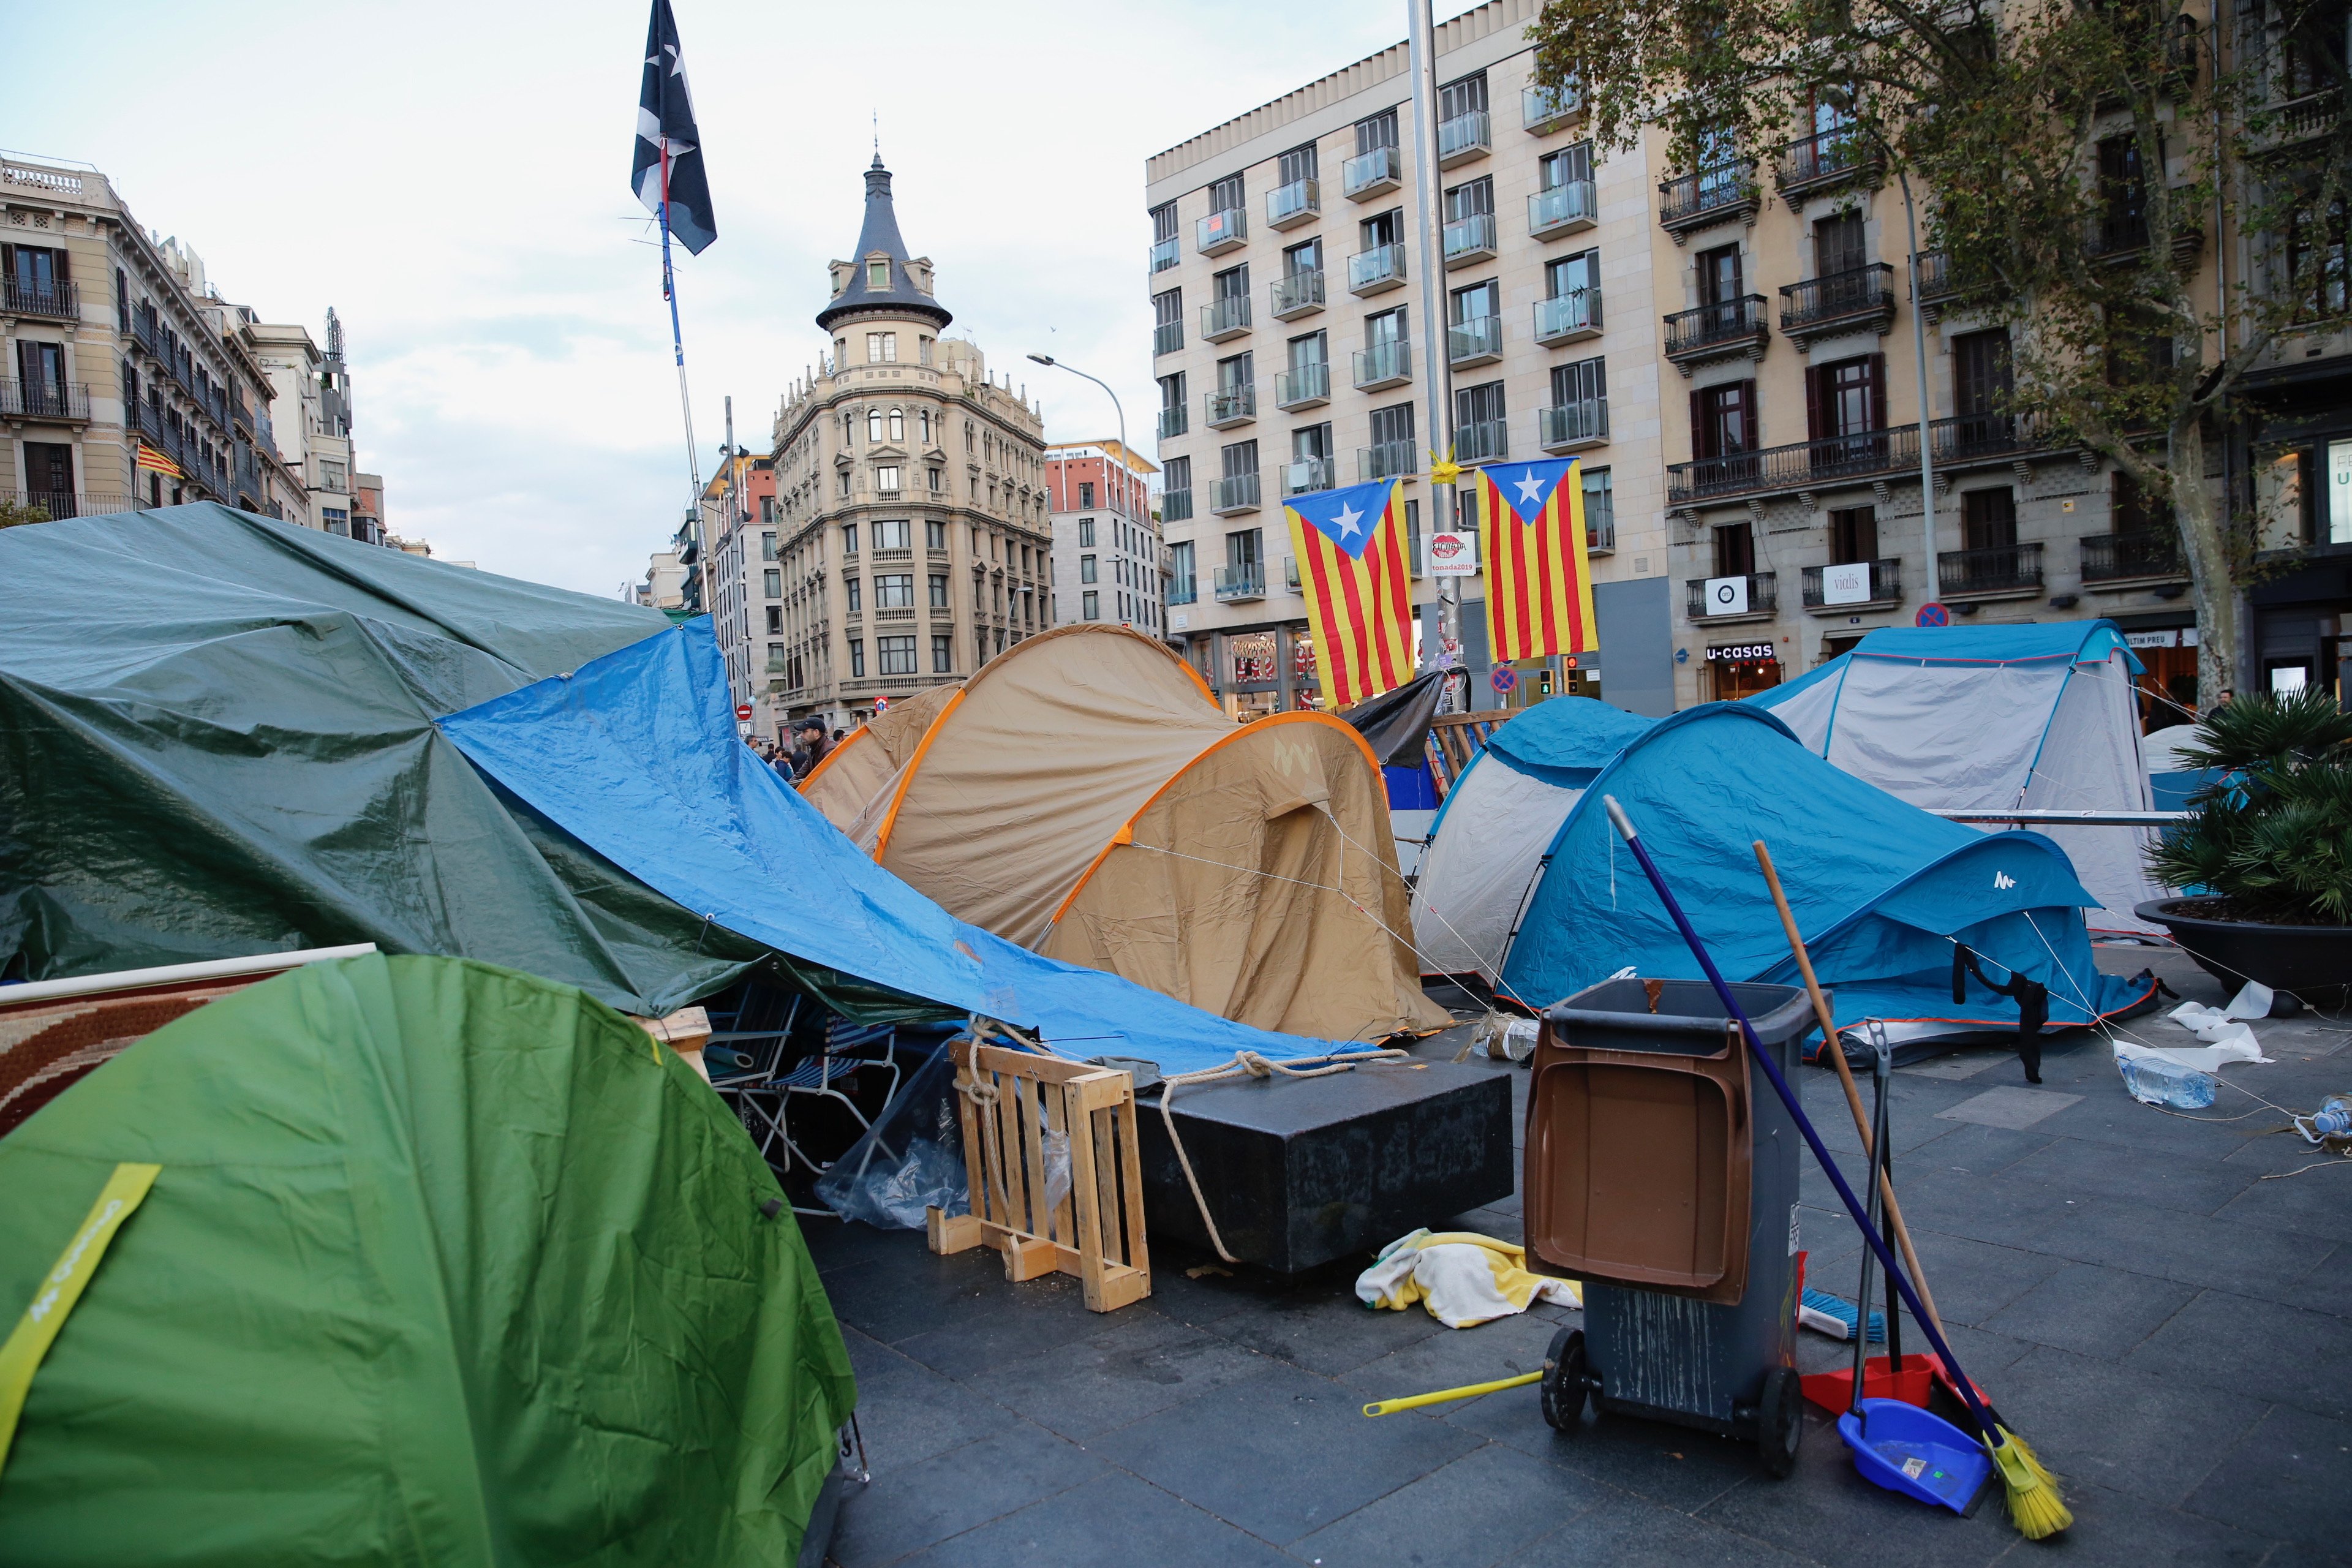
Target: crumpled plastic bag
911	1160
2226	1037
1505	1037
1461	1277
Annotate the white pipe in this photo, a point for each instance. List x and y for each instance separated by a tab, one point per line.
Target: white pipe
13	997
2068	818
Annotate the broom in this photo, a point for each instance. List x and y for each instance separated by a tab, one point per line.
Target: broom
1862	1130
2034	1501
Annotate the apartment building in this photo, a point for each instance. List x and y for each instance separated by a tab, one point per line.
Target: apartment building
913	528
311	407
743	581
1288	298
1107	552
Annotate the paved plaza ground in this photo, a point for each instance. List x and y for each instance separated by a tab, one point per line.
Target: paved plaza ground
2167	1326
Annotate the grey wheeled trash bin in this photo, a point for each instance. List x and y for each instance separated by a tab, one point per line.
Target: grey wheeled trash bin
1661	1170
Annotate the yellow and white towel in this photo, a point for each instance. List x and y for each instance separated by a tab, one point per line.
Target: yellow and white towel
1463	1279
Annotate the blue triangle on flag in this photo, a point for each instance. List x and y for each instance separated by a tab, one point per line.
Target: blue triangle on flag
1348	518
1526	487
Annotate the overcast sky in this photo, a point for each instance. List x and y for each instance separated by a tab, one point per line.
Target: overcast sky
454	180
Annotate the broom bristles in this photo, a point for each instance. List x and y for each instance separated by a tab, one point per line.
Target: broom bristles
2034	1505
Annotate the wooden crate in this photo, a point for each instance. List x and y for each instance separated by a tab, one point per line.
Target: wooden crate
1010	1100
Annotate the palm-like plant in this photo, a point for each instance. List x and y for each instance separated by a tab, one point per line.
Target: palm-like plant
2272	840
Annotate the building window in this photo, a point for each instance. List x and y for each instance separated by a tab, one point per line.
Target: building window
1086	532
897	426
938	480
938	590
1600	508
844	483
923	347
886	476
856	658
1168	321
1988	518
767	543
1845	398
942	655
1086	568
1085	494
1090	605
1854	536
1378	132
853	587
897	655
878	276
332	474
849	538
775	619
338	520
1735	550
891	533
873	426
773	581
935	534
1723	419
893	591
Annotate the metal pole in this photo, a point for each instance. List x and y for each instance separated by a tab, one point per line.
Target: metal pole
1934	585
1436	371
1116	408
685	403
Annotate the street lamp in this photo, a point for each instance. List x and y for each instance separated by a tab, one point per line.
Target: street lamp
1074	370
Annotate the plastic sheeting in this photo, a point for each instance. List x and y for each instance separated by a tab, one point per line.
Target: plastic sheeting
1395	724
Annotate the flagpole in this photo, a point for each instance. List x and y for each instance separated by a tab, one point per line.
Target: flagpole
685	403
1437	374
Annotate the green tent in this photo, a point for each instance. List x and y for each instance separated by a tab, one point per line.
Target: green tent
442	1265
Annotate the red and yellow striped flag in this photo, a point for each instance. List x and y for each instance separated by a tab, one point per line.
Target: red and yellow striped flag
1531	544
1350	546
156	462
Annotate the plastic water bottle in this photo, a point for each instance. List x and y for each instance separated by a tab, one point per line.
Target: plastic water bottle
2157	1081
2332	1119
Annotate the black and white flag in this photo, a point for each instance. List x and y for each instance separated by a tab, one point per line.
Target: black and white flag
668	151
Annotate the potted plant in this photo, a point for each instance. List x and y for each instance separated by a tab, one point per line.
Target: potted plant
2264	861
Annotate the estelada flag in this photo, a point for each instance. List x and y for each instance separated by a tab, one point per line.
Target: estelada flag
1531	543
1350	548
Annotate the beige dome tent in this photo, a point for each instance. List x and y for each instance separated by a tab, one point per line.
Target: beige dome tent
1084	795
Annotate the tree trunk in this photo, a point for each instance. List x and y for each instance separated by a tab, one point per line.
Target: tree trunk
2203	521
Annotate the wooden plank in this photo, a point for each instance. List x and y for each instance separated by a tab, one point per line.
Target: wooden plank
1130	1165
1008	1152
952	1233
1099	1137
1030	1065
975	1163
1085	1197
1025	1095
1121	1287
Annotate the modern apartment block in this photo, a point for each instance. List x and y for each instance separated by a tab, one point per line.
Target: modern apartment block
744	578
1106	551
1285	277
128	382
912	523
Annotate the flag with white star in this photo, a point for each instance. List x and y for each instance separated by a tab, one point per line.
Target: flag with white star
666	171
1531	544
1352	549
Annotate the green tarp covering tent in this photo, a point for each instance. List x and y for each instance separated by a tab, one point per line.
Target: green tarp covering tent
443	1265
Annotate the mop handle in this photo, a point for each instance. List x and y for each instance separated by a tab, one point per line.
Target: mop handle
1966	1389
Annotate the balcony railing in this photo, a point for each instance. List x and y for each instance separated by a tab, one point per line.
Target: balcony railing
1482	441
1229	406
60	400
1372	174
2299	120
1862	294
1222	231
1295	294
1976	438
1225	318
1176	506
1235	492
1383	364
1713	194
1386	459
1244	581
1310	473
1184	591
1478	341
1374	270
1564	208
61	301
2144	555
1469	239
1763	598
1287	207
1174	420
1600	535
1804	465
1165	254
1564	318
1734	326
1303	385
61	504
1571	425
1827	158
1465	137
1995	570
1545	109
1886	586
1167	337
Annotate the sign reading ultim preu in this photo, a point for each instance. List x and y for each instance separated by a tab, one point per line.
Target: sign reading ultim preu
1743	652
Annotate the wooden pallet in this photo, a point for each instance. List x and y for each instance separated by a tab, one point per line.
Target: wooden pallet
1453	740
1011	1100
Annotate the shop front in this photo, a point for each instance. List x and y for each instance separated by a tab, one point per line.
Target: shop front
1741	669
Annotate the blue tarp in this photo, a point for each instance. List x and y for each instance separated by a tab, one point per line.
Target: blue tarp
1881	890
636	755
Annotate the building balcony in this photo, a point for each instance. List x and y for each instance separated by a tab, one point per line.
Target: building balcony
54	301
1734	329
1571	427
1167	337
1973	439
1377	270
1225	318
1176	506
1884	588
1383	364
2297	121
1544	110
1800	466
2122	236
2127	560
1940	285
1184	591
1295	294
1470	240
897	555
1372	174
1714	194
1478	341
1229	406
1464	138
1840	302
1235	583
51	402
1570	208
68	503
1232	493
1165	254
1287	207
1174	420
1827	160
1565	318
1760	600
1220	232
1997	572
1482	441
1386	460
1302	385
1309	475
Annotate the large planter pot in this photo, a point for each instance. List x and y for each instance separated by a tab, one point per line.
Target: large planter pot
2315	963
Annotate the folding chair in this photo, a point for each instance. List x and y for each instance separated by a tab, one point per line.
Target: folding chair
849	1049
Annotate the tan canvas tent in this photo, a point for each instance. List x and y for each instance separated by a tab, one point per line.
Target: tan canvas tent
1084	795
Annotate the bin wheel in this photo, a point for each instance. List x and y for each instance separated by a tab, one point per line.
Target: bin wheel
1780	1421
1564	1381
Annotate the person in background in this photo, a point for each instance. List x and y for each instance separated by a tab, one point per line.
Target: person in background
782	761
812	747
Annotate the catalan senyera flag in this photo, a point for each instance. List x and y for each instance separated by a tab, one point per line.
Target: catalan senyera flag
1350	547
155	462
1531	544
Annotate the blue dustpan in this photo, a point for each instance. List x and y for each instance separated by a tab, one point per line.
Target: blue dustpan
1902	1448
